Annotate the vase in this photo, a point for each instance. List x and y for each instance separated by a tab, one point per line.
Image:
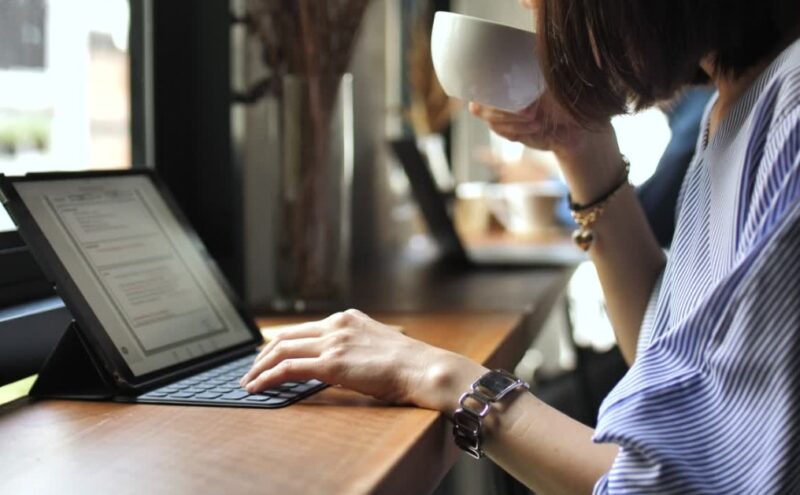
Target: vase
313	237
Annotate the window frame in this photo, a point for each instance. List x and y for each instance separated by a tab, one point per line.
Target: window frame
21	279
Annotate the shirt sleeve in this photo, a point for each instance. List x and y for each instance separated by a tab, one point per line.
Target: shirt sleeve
732	423
714	406
648	322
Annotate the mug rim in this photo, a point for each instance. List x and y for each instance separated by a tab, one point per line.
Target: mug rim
479	20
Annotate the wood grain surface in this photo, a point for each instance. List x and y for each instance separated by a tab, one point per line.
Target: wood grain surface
335	442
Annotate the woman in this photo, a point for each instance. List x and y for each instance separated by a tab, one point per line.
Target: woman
710	404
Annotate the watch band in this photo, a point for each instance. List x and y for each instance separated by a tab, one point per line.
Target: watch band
475	404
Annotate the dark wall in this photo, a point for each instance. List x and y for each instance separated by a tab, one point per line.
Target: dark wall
191	72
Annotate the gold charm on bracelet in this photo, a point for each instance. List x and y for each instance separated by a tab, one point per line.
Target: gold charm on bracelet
586	216
583	238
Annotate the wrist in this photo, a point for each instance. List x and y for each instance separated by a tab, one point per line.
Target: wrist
446	378
591	164
480	408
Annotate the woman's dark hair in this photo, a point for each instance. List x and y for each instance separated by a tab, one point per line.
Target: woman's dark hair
601	56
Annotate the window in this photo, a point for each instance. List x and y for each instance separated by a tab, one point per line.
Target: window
65	104
66	98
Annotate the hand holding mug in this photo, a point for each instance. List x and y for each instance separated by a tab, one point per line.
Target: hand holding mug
543	125
588	155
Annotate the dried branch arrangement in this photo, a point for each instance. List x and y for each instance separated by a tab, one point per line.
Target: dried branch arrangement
307	36
307	46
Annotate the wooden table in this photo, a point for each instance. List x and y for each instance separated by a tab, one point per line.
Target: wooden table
335	442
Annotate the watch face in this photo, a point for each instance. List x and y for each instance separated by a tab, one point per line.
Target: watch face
496	382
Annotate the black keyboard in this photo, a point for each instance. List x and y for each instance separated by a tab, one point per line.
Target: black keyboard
220	387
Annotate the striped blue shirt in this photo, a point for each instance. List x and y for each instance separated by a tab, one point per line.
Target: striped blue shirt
712	401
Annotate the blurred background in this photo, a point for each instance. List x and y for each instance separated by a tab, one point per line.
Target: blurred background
179	86
69	89
189	88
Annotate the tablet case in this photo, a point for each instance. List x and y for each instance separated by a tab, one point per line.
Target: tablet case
73	372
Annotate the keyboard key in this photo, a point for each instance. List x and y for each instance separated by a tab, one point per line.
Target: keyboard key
221	390
259	398
236	395
303	387
286	395
155	393
207	395
181	395
272	401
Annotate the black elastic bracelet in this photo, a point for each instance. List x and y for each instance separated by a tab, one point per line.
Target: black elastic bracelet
578	207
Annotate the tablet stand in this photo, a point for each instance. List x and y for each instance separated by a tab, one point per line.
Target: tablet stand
72	372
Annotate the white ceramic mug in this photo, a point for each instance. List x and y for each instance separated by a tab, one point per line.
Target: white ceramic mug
485	62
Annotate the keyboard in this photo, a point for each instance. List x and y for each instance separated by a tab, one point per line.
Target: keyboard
220	387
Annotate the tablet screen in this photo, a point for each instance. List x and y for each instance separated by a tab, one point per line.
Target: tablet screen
154	294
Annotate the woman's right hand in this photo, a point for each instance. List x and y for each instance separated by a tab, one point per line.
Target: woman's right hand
543	125
589	155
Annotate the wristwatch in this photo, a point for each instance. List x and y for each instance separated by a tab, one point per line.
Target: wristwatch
476	404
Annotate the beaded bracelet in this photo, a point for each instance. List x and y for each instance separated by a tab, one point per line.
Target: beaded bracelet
586	215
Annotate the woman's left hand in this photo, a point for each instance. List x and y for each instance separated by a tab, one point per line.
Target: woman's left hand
353	350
